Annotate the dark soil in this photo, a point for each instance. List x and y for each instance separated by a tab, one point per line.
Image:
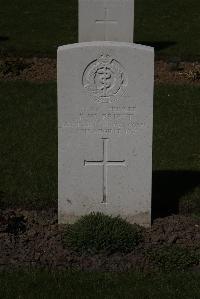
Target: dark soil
33	238
44	69
29	69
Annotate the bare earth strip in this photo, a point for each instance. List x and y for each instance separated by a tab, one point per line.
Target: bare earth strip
33	238
44	69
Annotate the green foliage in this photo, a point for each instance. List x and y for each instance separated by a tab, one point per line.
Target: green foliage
173	258
97	232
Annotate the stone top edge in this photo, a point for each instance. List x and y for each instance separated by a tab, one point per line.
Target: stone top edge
105	43
105	0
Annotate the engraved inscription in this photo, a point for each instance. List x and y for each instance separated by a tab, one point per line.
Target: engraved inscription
105	163
117	120
105	79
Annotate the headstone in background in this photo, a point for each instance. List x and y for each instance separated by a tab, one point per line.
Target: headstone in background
105	117
106	20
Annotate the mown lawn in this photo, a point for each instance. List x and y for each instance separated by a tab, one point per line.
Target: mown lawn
38	27
43	284
28	152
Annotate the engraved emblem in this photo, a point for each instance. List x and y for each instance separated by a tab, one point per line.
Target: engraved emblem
105	79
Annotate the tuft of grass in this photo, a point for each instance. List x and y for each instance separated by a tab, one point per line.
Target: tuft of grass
173	258
96	232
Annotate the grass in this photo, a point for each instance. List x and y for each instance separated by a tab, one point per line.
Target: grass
28	136
97	233
37	27
42	284
176	128
28	133
171	26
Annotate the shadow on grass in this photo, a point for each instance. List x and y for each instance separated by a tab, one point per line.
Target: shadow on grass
157	45
4	38
167	189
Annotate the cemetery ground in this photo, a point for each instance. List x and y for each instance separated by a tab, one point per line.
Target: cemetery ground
30	238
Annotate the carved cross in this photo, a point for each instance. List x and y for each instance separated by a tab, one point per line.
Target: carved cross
106	22
105	163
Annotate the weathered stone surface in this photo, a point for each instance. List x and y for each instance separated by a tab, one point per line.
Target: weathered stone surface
106	20
105	116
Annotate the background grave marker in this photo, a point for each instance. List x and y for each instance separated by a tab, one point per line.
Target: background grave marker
106	20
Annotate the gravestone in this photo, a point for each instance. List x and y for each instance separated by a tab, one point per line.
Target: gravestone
105	116
106	20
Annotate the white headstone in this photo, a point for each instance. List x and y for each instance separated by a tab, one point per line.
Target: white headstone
106	20
105	116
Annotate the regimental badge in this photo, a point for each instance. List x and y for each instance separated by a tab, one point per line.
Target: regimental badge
105	79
